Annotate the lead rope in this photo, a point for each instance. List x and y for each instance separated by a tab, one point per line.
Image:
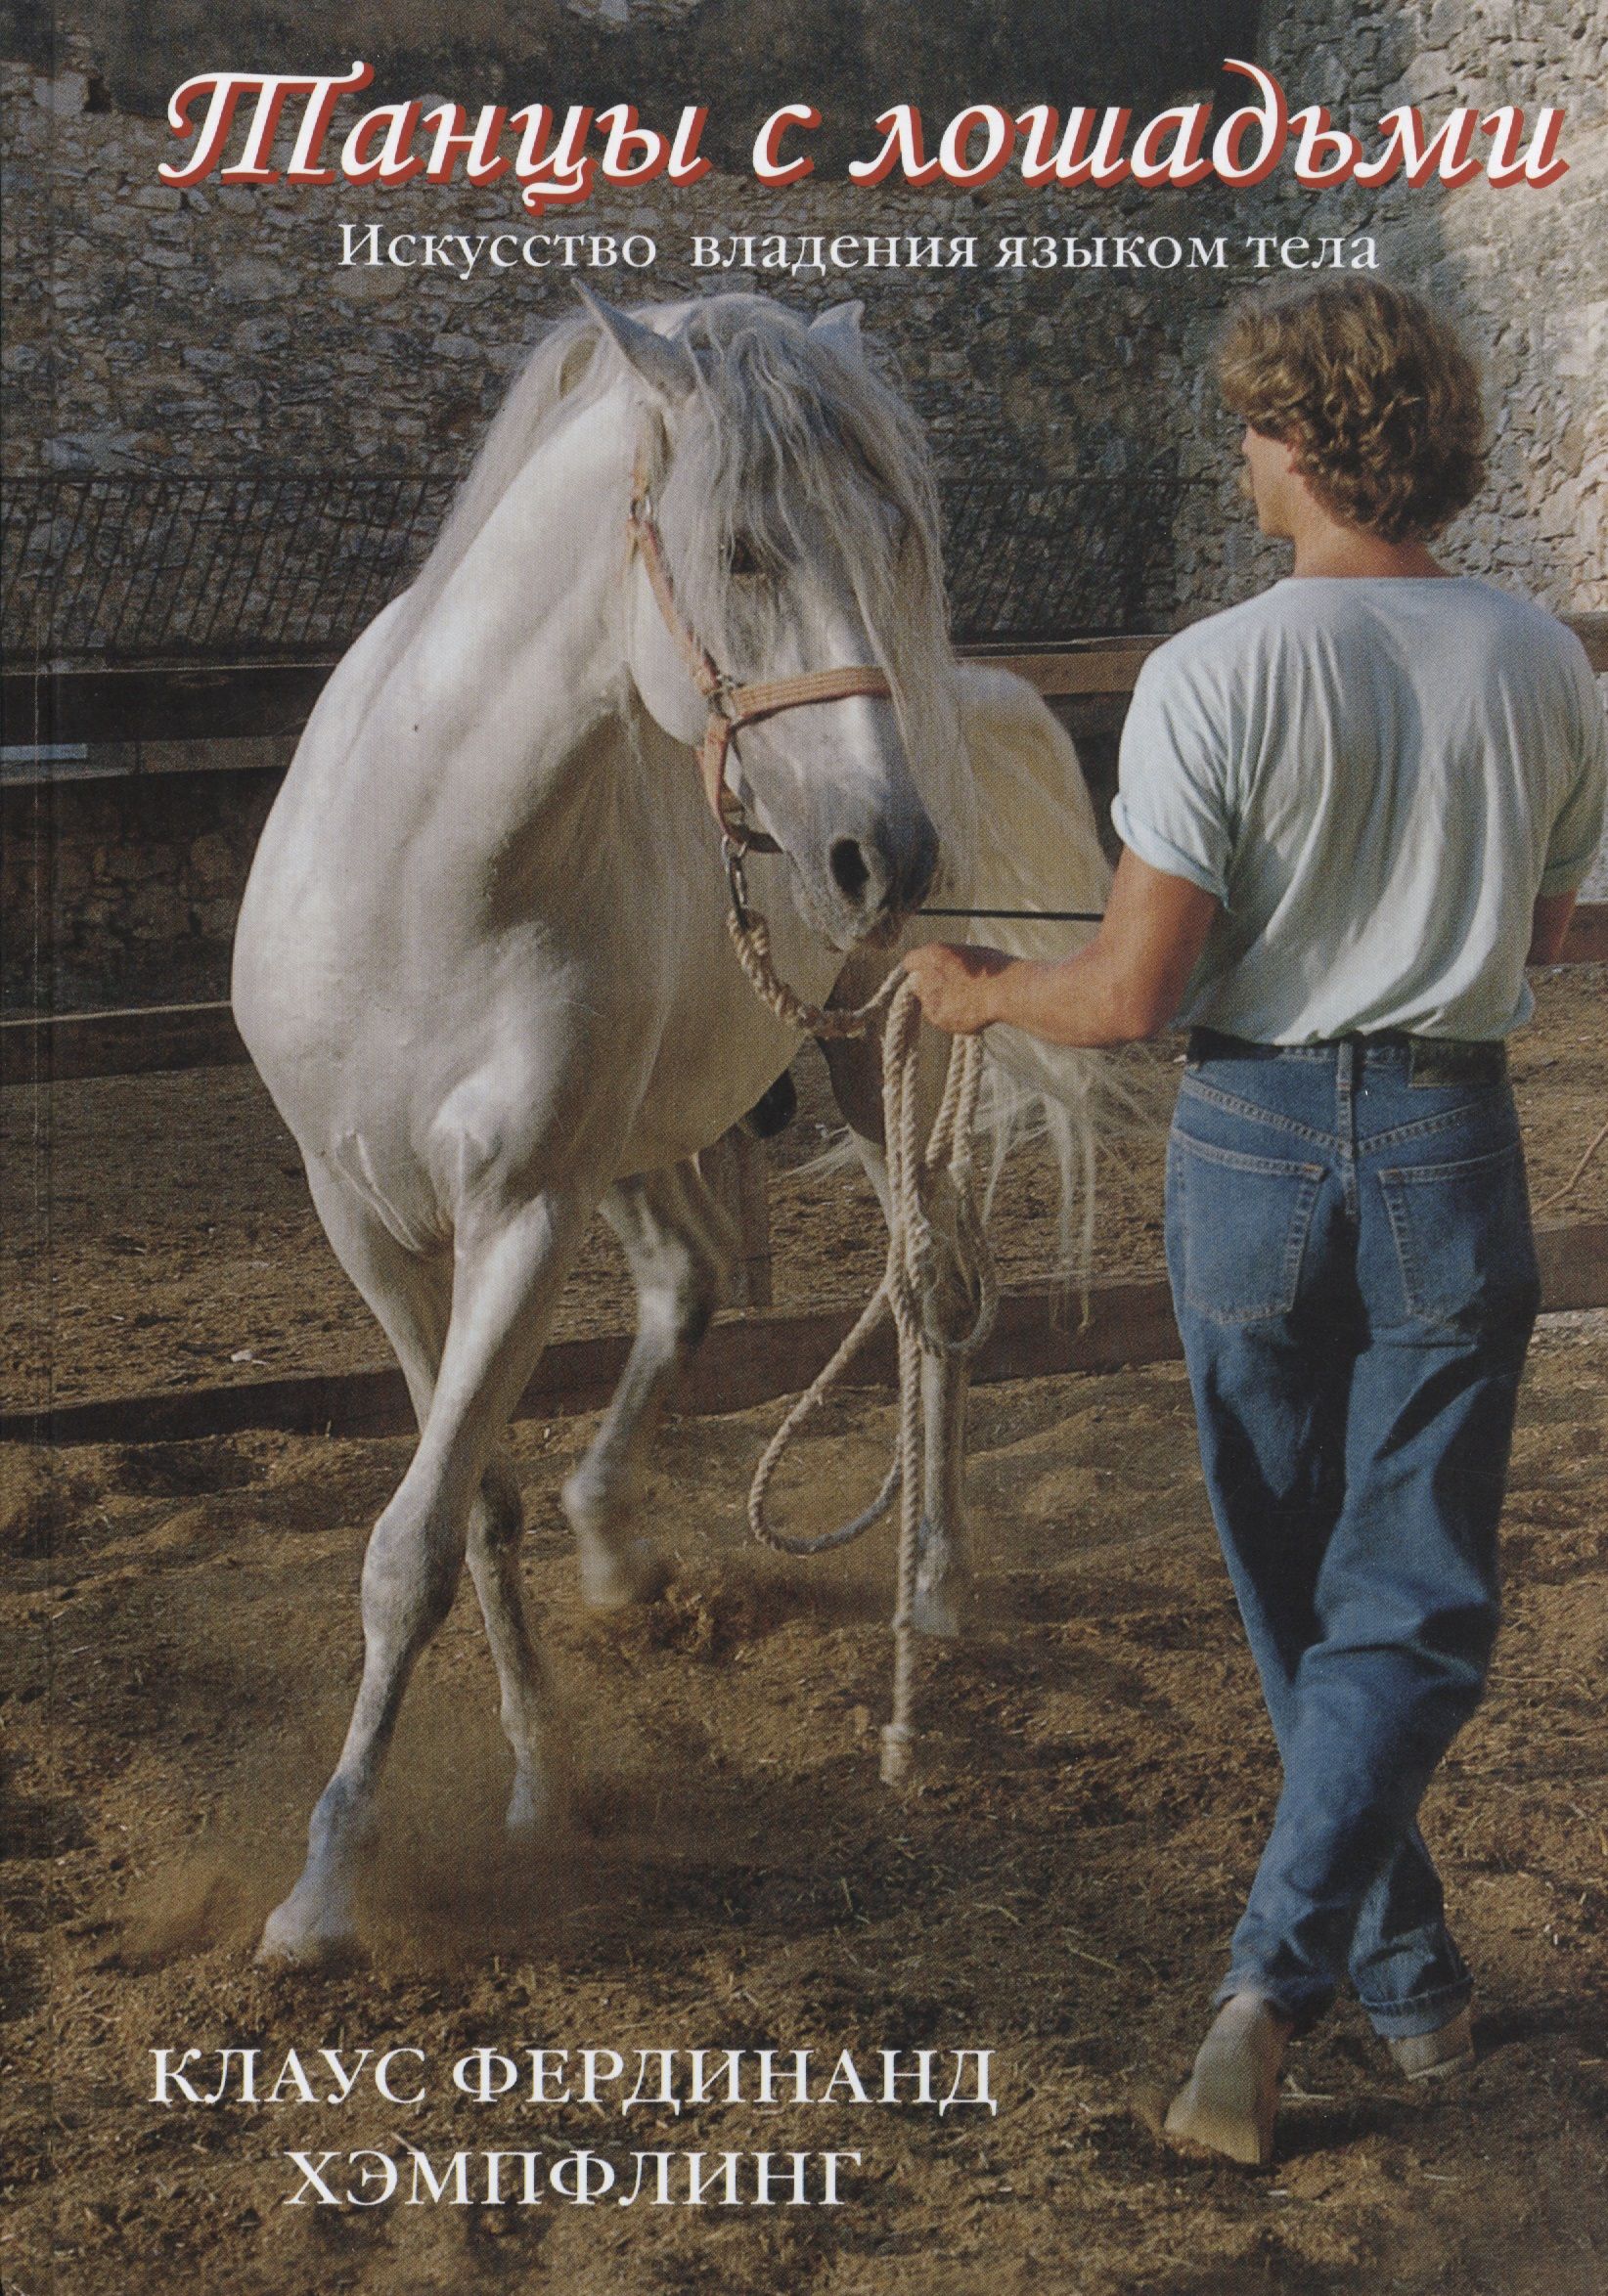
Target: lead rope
910	1289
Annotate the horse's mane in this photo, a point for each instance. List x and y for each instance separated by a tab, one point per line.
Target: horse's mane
556	382
787	438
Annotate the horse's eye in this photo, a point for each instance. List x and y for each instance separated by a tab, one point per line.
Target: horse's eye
743	558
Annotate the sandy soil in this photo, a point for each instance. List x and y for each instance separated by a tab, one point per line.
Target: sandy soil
176	1245
1057	1886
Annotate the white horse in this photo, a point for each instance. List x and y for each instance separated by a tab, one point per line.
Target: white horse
481	961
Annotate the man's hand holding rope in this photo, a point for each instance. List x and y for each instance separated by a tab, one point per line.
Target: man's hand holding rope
952	983
1125	984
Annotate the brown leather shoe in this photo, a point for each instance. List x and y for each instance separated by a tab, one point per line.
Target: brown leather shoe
1436	2056
1229	2101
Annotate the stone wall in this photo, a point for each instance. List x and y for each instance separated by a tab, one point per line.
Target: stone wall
124	889
1522	273
212	329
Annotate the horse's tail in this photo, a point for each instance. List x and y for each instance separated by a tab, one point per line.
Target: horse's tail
1038	848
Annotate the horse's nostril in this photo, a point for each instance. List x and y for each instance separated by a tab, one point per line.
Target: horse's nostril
851	873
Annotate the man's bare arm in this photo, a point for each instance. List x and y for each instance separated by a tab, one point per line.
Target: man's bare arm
1125	984
1549	927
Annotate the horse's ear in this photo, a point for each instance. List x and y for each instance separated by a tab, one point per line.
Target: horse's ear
665	366
840	325
576	360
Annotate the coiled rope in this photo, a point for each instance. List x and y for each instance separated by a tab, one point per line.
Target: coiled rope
913	1288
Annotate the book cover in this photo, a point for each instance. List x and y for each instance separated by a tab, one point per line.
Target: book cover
730	2013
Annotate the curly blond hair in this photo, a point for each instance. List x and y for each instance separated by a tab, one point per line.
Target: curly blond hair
1377	396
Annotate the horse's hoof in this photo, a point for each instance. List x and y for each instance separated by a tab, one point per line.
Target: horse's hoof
613	1577
943	1579
935	1610
293	1939
535	1807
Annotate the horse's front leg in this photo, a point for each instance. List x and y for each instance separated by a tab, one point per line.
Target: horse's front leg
510	1267
678	1241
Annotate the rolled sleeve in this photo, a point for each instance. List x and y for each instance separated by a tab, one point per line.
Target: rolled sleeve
1149	842
1576	837
1172	807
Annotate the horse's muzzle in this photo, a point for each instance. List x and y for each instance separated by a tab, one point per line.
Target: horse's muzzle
886	874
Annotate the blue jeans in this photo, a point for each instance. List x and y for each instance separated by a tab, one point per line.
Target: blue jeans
1349	1243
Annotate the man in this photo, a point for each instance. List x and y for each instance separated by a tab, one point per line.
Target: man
1352	808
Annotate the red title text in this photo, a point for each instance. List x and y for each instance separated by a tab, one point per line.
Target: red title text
281	128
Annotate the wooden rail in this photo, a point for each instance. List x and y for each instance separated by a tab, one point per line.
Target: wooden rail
57	1048
159	702
1110	665
180	701
748	1359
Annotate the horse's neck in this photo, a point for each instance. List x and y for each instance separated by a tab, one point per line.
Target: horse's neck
544	758
515	650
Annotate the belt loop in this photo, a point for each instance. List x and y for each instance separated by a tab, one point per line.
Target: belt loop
1347	1078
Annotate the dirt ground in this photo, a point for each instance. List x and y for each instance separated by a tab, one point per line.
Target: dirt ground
1056	1886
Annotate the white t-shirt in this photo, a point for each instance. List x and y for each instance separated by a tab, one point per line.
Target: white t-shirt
1376	776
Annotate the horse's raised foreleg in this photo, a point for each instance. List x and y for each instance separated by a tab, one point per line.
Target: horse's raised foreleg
508	1273
944	1574
678	1241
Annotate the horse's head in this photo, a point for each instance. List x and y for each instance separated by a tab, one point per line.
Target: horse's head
791	491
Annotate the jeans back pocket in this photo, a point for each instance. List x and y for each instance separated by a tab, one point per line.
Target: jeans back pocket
1463	1238
1237	1229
